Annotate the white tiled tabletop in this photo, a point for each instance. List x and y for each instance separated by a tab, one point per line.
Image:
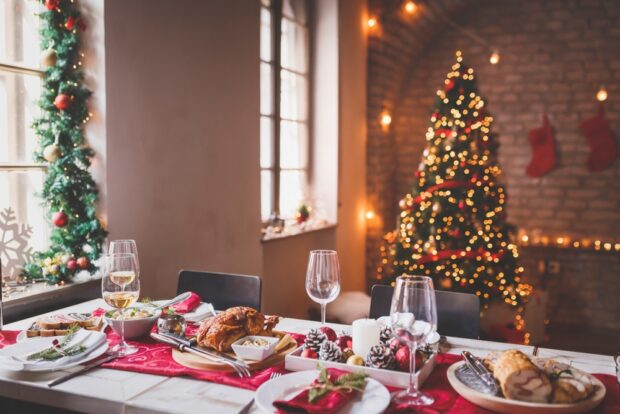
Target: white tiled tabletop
112	391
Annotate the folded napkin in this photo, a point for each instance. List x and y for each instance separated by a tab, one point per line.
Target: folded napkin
330	403
188	304
15	357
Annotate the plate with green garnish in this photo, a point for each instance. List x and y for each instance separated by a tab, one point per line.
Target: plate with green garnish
52	353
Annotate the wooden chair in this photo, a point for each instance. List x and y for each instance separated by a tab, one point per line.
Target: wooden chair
458	314
222	290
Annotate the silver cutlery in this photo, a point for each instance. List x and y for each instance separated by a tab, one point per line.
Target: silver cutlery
246	408
182	345
174	301
106	358
481	371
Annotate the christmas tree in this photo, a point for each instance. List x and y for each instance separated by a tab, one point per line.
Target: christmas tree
69	190
452	226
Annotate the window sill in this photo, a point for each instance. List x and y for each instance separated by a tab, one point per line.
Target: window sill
41	297
300	232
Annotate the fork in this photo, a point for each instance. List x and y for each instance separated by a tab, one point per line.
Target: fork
246	408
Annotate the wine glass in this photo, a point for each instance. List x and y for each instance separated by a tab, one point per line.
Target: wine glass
413	315
125	246
323	278
120	288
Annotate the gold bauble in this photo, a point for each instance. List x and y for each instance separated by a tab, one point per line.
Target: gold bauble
48	58
355	360
437	207
51	153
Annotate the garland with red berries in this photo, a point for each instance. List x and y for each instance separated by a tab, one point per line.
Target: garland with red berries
69	191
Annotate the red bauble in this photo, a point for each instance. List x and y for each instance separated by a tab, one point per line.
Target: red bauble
308	353
52	4
62	101
71	264
344	341
70	23
455	233
60	219
81	24
417	174
449	85
395	344
329	333
462	205
402	358
83	262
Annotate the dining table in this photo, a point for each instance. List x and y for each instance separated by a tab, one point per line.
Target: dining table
104	390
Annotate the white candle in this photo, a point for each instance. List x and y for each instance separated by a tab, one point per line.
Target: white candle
366	334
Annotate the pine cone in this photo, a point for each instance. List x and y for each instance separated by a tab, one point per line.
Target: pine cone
386	335
330	351
314	339
380	356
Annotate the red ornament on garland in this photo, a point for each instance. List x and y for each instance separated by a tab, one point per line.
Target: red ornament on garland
449	85
462	205
52	4
70	23
83	262
60	219
71	264
62	101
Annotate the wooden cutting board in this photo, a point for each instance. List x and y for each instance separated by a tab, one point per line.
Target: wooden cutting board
194	361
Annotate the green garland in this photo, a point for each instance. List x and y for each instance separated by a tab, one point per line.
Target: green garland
69	191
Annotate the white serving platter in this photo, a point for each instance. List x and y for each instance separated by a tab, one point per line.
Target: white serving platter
295	362
505	406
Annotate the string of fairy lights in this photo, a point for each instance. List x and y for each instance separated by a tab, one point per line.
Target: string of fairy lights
409	8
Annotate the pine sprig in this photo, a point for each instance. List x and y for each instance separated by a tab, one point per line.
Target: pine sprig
346	383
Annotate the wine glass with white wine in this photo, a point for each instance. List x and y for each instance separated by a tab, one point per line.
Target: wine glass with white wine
120	288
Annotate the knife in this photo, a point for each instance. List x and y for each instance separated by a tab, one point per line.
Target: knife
85	368
242	370
190	343
481	371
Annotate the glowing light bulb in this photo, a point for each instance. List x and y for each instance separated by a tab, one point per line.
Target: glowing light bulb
386	119
370	215
601	95
411	7
372	22
494	58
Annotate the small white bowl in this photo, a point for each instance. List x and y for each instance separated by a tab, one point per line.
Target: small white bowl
255	353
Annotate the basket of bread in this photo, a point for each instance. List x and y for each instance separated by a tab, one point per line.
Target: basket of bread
528	385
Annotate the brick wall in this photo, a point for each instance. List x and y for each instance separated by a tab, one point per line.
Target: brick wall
554	56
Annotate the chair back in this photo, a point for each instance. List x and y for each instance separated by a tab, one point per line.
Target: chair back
458	314
222	290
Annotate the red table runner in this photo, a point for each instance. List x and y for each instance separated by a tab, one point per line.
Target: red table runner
156	358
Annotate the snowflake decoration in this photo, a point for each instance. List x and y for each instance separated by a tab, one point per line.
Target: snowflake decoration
14	249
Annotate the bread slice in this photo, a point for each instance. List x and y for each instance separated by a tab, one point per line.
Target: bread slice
58	325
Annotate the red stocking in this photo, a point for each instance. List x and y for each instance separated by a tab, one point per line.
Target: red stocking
603	148
543	150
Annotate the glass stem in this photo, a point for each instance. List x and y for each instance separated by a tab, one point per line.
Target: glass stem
413	380
323	311
122	343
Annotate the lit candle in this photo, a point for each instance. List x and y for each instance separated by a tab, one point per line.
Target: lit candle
366	334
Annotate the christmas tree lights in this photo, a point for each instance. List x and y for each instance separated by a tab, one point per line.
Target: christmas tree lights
69	190
452	226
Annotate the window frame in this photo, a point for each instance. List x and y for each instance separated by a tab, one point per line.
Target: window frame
15	101
275	9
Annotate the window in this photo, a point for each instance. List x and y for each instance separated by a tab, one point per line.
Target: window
20	88
284	106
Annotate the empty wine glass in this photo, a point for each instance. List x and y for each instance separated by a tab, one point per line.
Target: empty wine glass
120	288
414	317
323	278
125	246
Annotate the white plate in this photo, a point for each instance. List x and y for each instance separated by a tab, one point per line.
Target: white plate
374	400
503	405
37	343
203	311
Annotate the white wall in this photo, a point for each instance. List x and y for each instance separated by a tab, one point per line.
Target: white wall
182	86
183	135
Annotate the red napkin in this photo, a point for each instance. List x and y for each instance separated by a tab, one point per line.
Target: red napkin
330	403
188	304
